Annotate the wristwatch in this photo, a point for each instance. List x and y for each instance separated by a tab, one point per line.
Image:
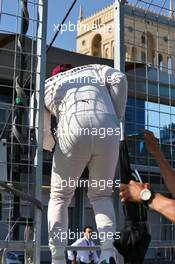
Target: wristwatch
146	196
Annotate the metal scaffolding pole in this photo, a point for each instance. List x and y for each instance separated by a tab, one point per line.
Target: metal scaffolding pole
40	78
20	95
27	51
119	56
119	64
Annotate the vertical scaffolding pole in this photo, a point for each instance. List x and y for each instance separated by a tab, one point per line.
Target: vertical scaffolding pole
40	78
0	9
19	86
119	54
119	64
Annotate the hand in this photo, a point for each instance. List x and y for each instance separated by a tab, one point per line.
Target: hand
131	192
151	142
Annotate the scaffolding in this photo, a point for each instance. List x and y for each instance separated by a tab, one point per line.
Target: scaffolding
23	25
144	47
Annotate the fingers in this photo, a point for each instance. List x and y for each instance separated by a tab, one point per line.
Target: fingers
123	200
131	191
143	185
123	187
148	133
123	196
123	192
132	182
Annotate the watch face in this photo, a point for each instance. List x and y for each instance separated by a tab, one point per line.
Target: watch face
145	194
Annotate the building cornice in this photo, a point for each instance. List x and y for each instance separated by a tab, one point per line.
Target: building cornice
103	10
139	11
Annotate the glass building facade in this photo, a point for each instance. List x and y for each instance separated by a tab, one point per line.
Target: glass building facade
151	106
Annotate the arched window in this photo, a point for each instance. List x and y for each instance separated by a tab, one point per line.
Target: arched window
107	53
83	42
170	64
143	56
96	46
143	38
160	62
134	54
150	48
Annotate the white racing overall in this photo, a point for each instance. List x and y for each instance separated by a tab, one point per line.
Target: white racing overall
89	102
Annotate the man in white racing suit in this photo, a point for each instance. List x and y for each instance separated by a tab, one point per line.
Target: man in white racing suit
88	102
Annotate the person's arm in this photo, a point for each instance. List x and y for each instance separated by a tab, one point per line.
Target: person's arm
166	170
48	140
70	254
117	84
164	206
96	258
159	203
